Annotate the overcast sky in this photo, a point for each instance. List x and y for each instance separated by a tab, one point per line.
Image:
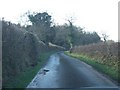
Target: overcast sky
95	15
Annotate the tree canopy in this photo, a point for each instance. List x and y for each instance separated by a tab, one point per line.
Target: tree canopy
41	25
67	35
40	18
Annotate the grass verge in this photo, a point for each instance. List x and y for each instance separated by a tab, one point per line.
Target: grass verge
105	69
24	78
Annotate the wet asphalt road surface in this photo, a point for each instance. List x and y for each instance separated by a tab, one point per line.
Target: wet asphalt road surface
67	72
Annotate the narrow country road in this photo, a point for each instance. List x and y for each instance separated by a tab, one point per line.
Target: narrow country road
67	72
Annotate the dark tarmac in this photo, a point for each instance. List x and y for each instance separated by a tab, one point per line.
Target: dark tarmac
67	72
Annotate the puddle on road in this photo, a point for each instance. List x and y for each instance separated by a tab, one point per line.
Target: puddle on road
53	62
47	79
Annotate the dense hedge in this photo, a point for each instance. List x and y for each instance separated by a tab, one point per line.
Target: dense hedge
104	53
20	50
